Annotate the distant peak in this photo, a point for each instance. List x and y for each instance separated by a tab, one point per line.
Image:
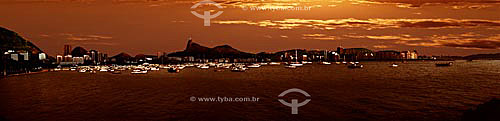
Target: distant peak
223	46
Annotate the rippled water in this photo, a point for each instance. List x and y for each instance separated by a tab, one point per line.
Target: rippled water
413	91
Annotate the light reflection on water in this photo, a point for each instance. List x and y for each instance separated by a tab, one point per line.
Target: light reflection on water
413	91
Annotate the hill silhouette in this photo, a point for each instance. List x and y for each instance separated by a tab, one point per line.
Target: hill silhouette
10	40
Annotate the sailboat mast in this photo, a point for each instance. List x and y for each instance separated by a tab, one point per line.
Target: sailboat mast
326	56
296	56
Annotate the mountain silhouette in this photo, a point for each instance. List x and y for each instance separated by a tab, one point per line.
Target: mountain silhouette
10	40
122	56
78	52
483	57
197	50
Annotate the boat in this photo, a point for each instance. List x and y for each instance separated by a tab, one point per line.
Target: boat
394	65
203	66
254	66
139	71
338	63
116	72
274	63
103	70
92	72
355	66
82	70
218	70
325	63
181	67
238	69
155	69
174	70
292	67
296	63
444	64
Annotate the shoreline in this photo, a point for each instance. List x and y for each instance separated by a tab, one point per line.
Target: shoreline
21	74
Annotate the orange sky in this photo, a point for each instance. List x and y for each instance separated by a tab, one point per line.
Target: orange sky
434	27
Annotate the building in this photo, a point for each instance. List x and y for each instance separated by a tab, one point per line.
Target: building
94	57
78	60
67	50
414	55
59	59
42	56
409	54
68	58
388	55
356	54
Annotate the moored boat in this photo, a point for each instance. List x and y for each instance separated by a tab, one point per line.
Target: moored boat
394	65
139	71
296	64
174	70
116	72
238	69
444	64
83	70
355	66
204	67
154	69
254	66
325	63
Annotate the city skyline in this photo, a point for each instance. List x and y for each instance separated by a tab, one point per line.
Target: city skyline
447	27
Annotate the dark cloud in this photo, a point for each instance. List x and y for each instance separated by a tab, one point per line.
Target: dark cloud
428	24
369	23
479	44
418	3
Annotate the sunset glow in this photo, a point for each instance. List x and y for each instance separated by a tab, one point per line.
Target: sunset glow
434	26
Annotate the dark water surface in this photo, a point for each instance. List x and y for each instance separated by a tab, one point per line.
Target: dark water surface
413	91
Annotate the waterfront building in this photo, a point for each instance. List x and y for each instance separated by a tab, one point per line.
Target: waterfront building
388	55
42	56
94	57
356	54
409	54
67	50
14	57
59	59
68	58
24	56
414	54
78	60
